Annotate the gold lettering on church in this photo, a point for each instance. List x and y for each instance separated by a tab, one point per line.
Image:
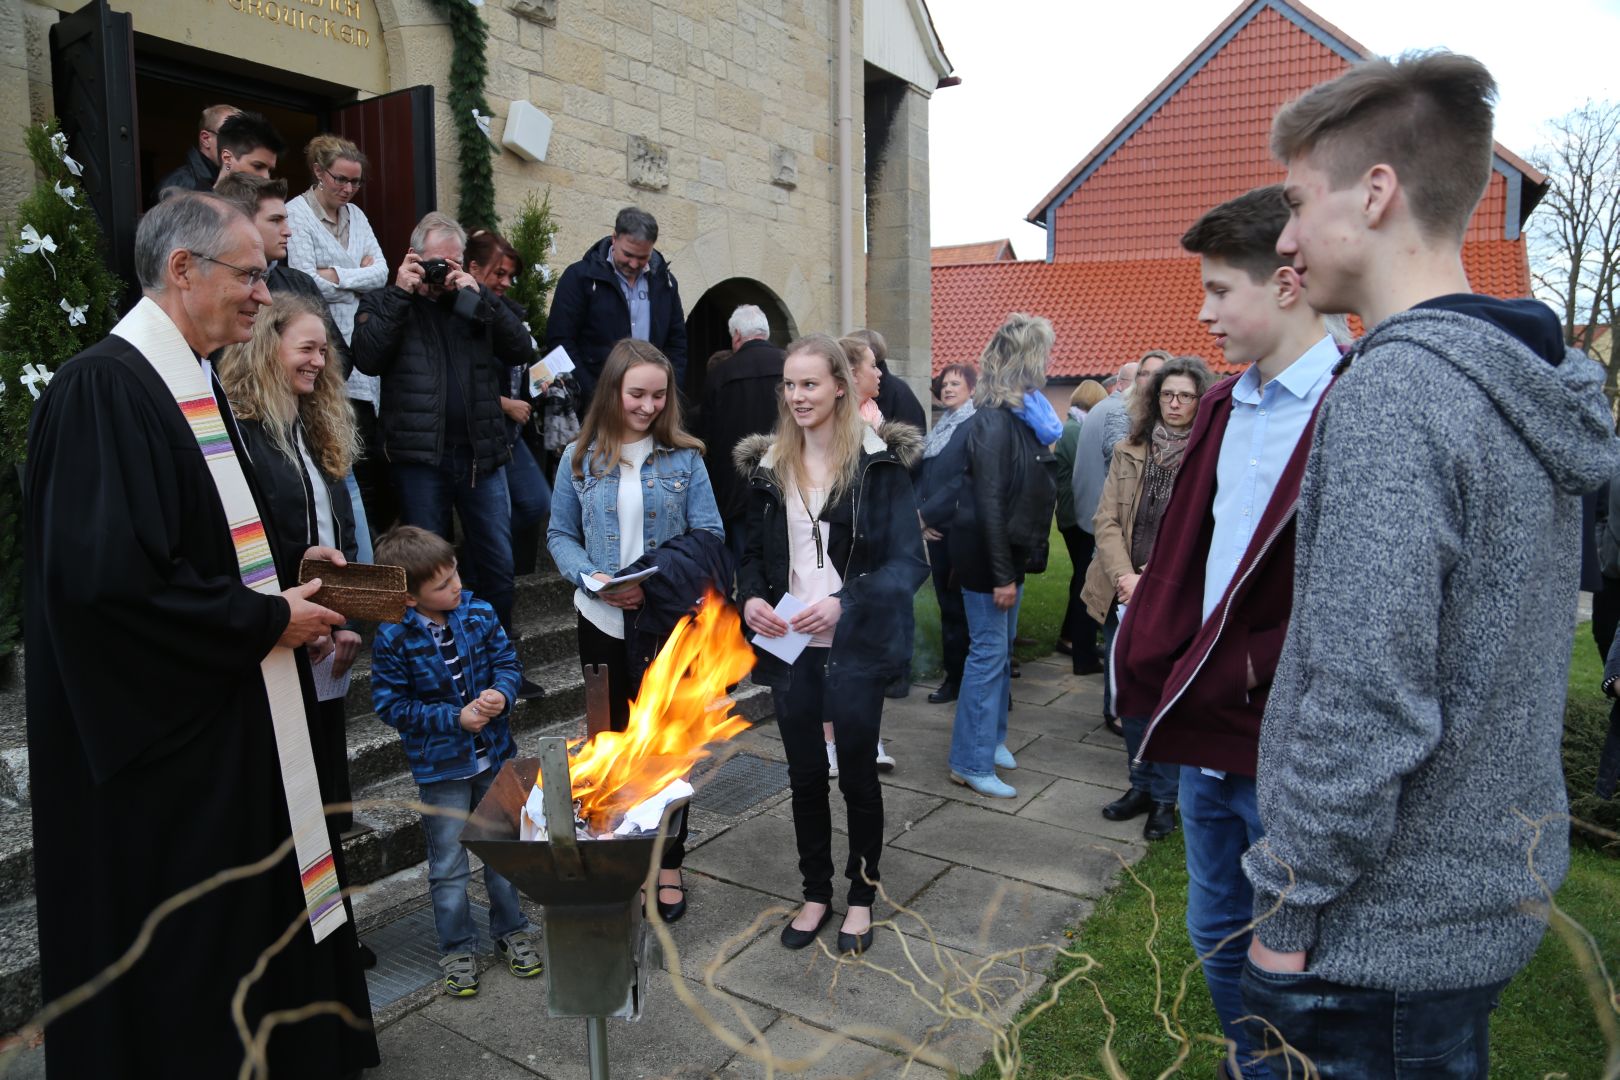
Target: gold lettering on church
309	16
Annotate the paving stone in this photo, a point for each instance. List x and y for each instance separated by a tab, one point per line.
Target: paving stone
936	781
760	854
984	913
1069	716
824	1053
1019	848
1077	806
714	927
868	1004
508	1018
416	1048
1073	760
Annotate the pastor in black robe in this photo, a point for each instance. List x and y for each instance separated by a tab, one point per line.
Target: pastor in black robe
153	758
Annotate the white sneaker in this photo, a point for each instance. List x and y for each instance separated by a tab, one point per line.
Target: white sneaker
832	759
885	763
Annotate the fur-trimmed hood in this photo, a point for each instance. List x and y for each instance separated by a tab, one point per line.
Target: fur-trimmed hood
902	442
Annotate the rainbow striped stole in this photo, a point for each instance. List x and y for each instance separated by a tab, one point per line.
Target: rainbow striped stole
159	341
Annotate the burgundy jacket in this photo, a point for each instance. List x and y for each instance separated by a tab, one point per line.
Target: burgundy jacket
1188	676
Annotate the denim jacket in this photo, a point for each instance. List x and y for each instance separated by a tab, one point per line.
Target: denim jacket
583	537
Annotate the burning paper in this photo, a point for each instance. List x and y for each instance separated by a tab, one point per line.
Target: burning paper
682	708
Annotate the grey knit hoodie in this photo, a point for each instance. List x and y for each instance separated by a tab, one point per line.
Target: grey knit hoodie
1418	706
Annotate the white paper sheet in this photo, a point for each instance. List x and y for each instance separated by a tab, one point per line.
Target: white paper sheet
645	816
548	368
532	818
623	581
791	644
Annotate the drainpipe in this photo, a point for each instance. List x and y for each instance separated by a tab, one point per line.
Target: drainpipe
846	174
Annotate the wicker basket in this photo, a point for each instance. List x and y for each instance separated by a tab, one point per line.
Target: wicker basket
359	591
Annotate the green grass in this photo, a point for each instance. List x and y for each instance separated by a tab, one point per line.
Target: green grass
1546	1025
1586	725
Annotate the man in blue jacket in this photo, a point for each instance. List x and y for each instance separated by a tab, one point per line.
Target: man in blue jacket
622	288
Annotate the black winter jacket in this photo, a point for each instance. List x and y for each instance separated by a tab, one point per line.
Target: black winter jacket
897	401
417	345
739	400
1004	527
197	174
873	539
689	566
289	517
589	314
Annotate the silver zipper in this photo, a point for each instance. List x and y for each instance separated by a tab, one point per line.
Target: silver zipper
1226	611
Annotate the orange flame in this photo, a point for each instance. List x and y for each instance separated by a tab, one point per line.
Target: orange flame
682	708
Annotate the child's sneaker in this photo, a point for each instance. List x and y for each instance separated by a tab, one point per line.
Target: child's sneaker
521	956
460	974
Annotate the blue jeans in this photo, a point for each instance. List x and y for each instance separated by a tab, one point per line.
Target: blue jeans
448	870
1220	821
981	707
531	495
1353	1031
1159	780
427	493
362	528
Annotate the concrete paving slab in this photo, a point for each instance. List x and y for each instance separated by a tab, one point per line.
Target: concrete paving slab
1072	805
902	808
937	782
1033	691
827	1054
1067	717
983	914
760	854
1074	760
508	1018
418	1049
1020	848
717	917
871	1005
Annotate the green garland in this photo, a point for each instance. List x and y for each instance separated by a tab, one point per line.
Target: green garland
468	69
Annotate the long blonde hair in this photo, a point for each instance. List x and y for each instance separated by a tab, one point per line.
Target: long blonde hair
602	433
1014	362
848	427
256	382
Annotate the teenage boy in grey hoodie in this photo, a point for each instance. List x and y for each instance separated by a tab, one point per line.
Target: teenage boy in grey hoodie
1412	734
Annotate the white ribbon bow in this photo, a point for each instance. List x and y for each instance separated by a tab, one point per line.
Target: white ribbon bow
33	242
75	314
482	121
34	376
67	194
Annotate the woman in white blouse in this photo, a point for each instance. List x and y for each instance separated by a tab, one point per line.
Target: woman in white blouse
333	243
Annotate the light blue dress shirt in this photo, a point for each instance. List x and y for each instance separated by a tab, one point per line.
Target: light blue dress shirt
1266	423
640	309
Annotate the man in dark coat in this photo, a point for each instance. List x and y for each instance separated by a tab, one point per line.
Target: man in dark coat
443	348
201	167
151	729
621	288
739	399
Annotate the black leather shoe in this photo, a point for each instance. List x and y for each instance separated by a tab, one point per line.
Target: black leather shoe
1161	821
855	943
898	687
1064	647
1087	665
529	690
1129	805
1017	672
947	692
368	959
798	939
671	912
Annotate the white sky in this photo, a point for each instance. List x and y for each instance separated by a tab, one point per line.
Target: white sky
1044	80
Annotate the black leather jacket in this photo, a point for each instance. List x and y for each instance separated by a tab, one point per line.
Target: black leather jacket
282	485
417	345
1003	528
872	537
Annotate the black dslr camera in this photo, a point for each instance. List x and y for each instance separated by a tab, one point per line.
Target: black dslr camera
435	271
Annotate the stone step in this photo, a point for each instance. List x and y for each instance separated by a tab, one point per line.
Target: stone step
19	963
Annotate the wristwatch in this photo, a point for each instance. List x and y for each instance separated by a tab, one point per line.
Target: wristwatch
1608	685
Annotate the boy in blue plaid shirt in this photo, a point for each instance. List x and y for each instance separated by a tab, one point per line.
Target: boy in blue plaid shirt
445	678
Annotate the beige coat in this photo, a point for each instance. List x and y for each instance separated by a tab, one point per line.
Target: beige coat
1113	525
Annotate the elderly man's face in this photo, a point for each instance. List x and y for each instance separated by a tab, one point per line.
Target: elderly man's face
220	300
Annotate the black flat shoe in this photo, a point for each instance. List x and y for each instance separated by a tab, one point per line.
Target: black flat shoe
1114	724
1132	804
1064	647
798	939
855	943
947	692
1087	666
1161	821
671	912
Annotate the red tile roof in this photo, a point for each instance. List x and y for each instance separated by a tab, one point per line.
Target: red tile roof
1106	313
986	251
